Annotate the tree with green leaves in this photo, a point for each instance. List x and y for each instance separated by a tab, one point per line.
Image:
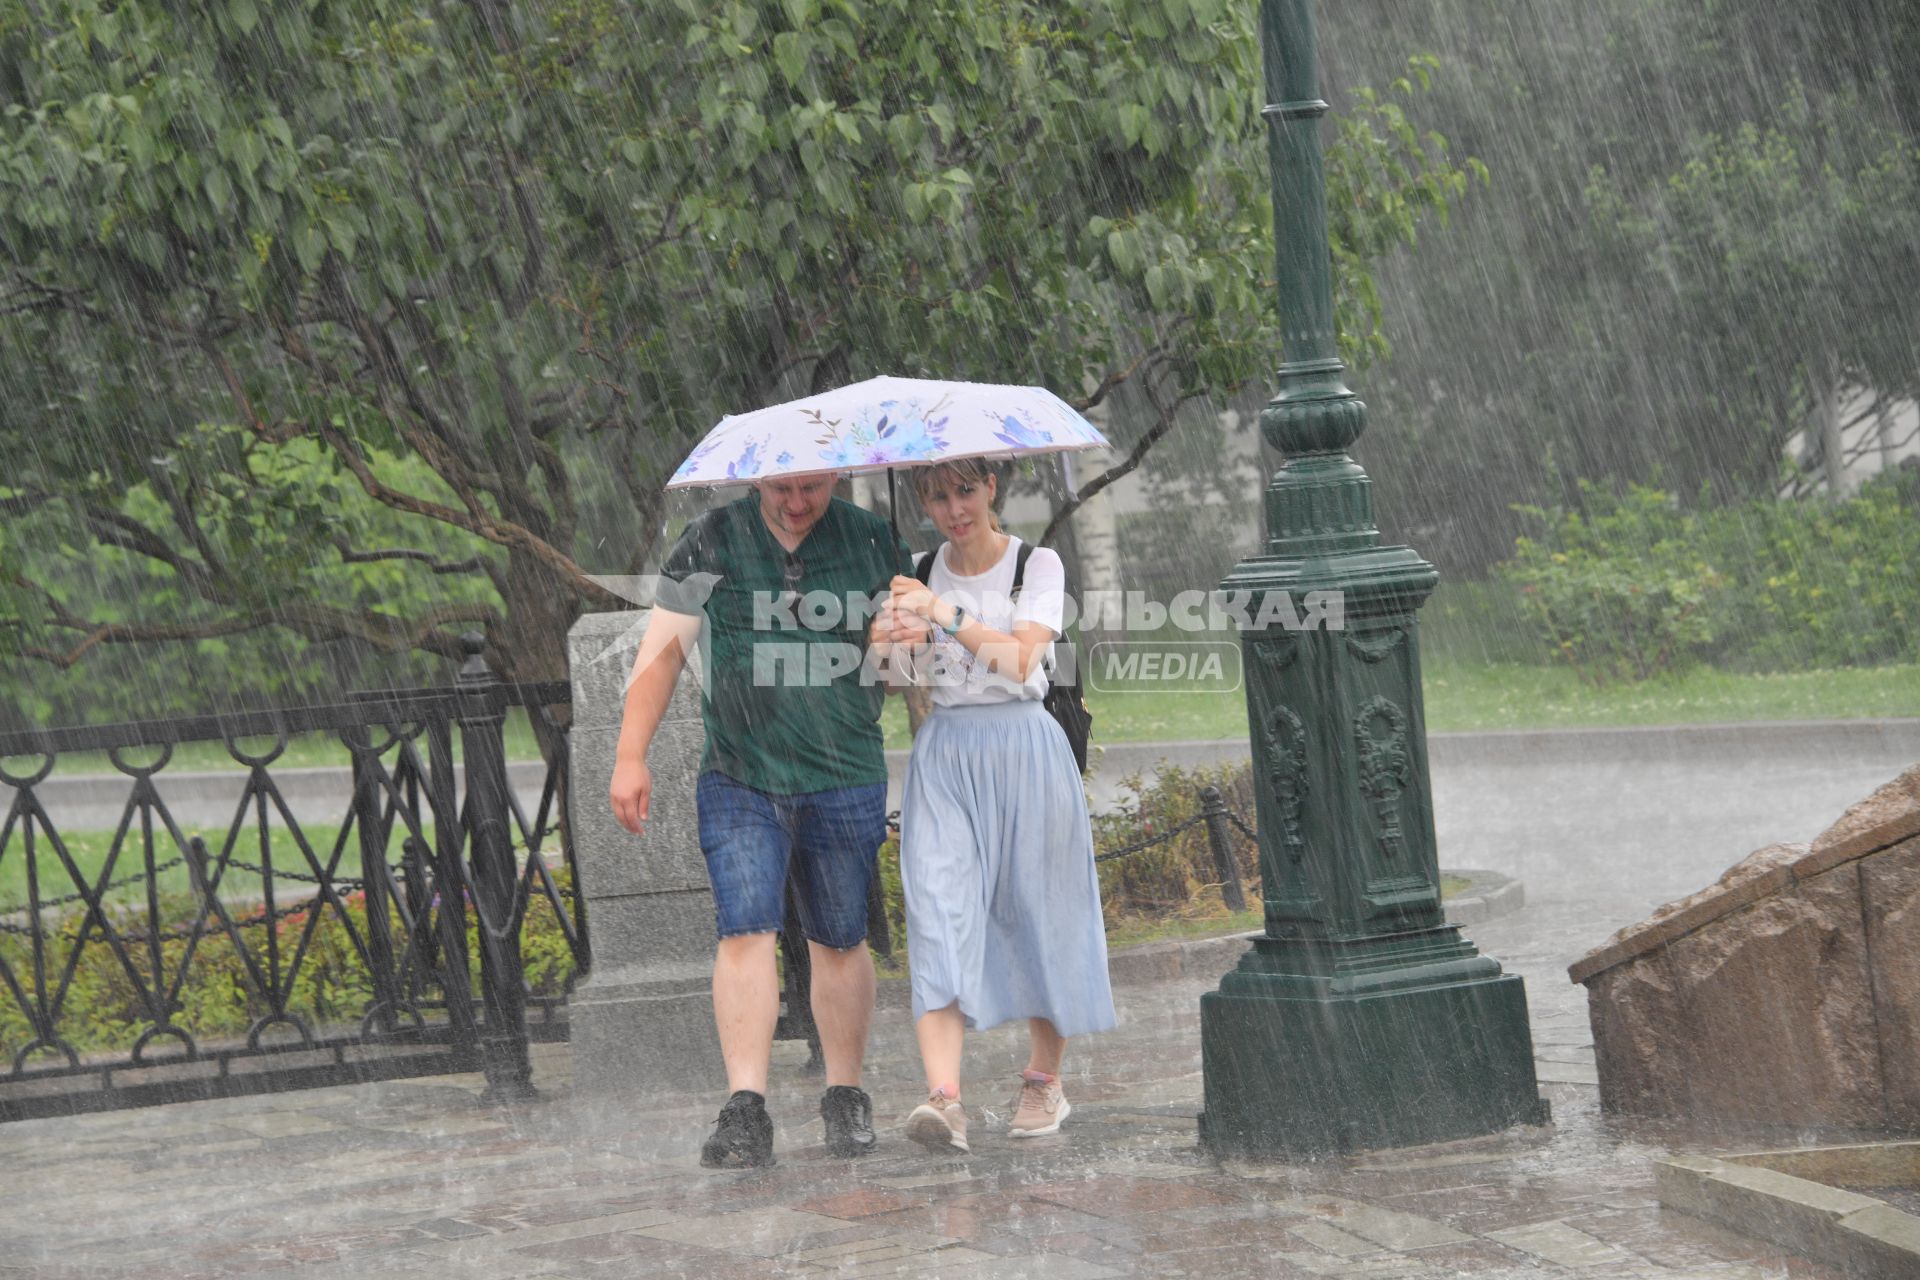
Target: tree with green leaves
450	289
1548	337
1785	255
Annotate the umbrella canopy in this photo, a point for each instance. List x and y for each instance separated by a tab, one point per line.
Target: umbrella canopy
883	423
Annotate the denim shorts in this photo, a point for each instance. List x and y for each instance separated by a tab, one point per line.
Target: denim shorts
828	839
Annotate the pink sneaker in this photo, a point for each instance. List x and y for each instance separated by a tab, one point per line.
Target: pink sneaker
1040	1108
939	1123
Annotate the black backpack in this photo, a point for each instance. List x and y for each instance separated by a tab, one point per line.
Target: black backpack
1063	701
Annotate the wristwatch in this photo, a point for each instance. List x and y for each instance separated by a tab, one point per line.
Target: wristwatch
959	621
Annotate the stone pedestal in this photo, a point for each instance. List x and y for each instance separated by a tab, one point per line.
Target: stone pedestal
1786	993
644	1016
1301	1065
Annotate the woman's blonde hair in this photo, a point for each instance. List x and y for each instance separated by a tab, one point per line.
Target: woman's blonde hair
960	471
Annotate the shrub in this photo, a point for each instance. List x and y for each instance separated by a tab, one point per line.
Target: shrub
1633	586
1176	878
103	1012
1621	591
1821	584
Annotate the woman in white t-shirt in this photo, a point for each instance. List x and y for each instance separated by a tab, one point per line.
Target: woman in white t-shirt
996	851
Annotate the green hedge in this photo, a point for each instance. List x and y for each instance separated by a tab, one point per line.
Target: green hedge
1634	584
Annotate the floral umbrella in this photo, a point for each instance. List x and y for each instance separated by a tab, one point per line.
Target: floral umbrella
885	423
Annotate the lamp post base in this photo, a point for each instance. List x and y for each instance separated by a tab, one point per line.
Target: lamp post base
1299	1064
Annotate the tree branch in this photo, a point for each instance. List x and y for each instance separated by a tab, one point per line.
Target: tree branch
129	534
501	532
1164	424
1114	379
20	504
318	622
472	564
277	434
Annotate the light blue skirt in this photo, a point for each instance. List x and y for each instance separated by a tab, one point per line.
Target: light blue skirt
996	857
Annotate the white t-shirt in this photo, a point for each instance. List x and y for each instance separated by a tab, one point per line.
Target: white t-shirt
956	677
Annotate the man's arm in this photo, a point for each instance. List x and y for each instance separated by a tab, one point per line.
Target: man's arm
894	646
670	637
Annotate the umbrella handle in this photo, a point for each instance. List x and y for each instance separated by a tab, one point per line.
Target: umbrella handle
893	507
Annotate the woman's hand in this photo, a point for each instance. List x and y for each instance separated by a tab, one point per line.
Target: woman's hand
910	595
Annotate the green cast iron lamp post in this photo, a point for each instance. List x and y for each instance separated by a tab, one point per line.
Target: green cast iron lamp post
1361	1018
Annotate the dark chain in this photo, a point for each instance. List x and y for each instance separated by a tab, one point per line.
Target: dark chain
1138	846
208	926
122	883
1178	828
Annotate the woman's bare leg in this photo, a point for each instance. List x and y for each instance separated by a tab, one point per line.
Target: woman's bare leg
942	1035
1049	1046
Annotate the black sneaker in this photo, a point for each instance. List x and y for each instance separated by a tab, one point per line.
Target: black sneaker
742	1137
847	1112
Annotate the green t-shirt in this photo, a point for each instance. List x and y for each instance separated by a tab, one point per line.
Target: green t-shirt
785	706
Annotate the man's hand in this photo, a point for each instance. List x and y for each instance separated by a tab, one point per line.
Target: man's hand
880	634
911	629
632	791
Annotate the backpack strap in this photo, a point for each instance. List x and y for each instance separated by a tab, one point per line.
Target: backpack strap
1020	568
924	570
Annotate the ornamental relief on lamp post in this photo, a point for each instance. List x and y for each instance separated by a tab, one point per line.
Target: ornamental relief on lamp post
1285	738
1273	651
1375	648
1380	733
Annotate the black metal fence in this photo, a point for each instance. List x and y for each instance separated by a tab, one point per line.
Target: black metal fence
423	893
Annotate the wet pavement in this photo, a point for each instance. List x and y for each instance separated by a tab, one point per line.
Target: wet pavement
419	1178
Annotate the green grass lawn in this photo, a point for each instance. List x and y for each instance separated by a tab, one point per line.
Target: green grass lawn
1527	697
89	850
1514	696
1460	696
312	750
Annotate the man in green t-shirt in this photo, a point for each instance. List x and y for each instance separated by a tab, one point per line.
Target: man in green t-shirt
793	780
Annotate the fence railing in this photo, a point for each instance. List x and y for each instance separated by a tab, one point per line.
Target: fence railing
1216	816
157	964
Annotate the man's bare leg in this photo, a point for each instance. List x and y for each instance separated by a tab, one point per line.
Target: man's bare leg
842	995
746	1007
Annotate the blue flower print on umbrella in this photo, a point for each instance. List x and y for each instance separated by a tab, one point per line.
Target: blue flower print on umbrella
747	465
893	433
1018	432
914	436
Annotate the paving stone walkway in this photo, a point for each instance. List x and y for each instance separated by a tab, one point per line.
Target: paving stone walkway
418	1178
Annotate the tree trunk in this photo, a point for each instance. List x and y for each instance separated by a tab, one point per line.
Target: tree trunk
1883	430
530	644
1096	535
1833	444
